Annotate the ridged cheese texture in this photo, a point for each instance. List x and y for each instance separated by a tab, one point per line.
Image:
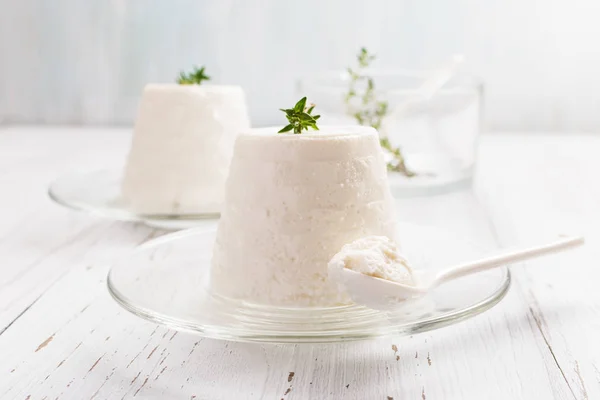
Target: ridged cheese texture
181	148
292	202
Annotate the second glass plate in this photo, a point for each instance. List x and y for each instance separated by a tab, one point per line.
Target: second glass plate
99	193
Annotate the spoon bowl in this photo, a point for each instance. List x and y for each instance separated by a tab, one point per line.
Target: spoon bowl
377	293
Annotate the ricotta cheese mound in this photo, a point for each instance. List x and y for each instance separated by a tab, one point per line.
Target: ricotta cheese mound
292	201
181	148
376	256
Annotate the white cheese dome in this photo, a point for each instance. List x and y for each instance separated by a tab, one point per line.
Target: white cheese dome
292	202
182	146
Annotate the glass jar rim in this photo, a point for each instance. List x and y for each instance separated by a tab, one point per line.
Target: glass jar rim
330	80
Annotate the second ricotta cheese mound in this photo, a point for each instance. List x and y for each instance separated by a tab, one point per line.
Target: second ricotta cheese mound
291	203
181	149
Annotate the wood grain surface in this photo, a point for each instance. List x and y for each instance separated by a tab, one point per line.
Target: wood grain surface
62	336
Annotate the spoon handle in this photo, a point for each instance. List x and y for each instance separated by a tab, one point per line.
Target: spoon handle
507	258
440	78
431	85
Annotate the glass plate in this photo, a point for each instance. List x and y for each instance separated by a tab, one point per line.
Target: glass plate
166	281
99	193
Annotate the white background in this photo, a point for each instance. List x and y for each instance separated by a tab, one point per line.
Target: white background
68	61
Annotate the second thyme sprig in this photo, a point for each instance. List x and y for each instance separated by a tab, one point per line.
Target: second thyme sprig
371	111
196	77
300	117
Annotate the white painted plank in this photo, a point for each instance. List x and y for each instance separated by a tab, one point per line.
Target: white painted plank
40	241
550	186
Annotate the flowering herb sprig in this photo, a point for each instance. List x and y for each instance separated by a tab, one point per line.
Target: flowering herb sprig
372	111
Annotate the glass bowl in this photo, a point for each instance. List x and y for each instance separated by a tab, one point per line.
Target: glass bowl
437	135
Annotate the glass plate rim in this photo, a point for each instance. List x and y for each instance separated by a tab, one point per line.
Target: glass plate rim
277	337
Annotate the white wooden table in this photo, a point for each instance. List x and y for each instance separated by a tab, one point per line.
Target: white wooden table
62	337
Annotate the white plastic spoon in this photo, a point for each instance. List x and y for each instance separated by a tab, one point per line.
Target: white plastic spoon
377	292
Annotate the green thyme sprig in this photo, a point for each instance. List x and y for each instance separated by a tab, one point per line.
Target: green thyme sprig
193	78
300	117
372	111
